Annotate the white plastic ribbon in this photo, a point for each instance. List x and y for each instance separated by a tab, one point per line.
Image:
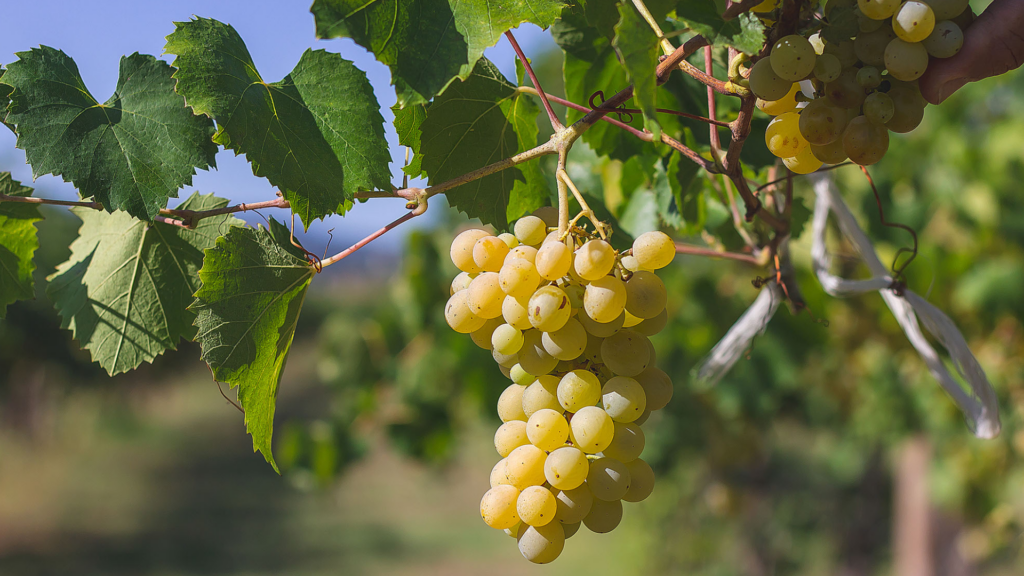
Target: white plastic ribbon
737	340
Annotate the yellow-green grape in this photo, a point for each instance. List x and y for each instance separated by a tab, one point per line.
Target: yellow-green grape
536	506
543	393
913	21
908	107
532	356
766	6
506	339
574	505
878	108
511	435
765	83
541	544
510	404
528	253
866	24
578	389
553	260
530	230
513	311
510	240
793	57
652	326
461	282
575	293
489	252
629	262
458	315
599	329
547	428
498	507
462	250
608	479
571	529
591	429
865	142
657	387
604	516
783	136
507	360
627	443
623	399
821	123
878	9
654	250
594	260
869	77
771	107
549	214
566	343
803	163
645	294
566	468
549	308
845	51
827	68
833	153
906	60
626	353
946	9
605	299
945	40
518	278
482	335
521	376
870	46
525	466
592	352
641	481
485	296
499	475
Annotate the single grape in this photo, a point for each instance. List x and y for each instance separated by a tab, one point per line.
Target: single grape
498	507
864	141
906	60
541	394
459	316
645	294
594	260
510	240
878	9
521	376
578	389
575	293
803	163
641	481
908	107
461	282
608	479
530	230
518	278
506	339
878	107
654	250
821	122
485	296
566	343
845	51
462	250
765	83
525	466
571	529
623	399
773	108
604	516
626	353
869	77
532	356
830	153
605	299
549	308
547	428
657	387
592	352
513	311
783	136
528	253
631	320
946	9
827	68
793	58
541	544
591	429
945	40
627	442
489	253
509	436
913	21
652	326
870	46
629	262
574	504
553	260
536	506
482	335
499	474
599	329
566	468
510	404
507	360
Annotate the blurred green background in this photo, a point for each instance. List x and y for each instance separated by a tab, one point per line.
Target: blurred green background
385	417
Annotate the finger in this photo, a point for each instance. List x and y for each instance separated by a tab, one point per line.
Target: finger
993	45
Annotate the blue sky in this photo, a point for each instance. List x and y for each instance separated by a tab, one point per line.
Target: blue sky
97	33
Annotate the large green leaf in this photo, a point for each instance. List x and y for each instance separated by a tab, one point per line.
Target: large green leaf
125	290
637	47
254	284
130	153
407	124
317	134
744	33
18	242
532	191
471	125
483	22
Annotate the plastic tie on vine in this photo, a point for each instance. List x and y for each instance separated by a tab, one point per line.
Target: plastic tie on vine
978	401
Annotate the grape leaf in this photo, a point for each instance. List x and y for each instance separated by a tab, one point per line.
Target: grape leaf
407	124
416	39
681	205
637	47
5	99
841	24
471	125
254	284
744	33
18	242
317	134
532	191
126	287
130	153
483	22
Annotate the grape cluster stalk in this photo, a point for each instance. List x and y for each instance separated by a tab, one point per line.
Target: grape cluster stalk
567	319
837	101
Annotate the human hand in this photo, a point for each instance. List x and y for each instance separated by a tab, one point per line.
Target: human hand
993	44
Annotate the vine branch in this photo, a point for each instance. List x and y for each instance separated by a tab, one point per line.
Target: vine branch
682	248
556	124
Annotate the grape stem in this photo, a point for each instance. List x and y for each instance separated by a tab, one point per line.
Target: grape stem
689	249
562	175
556	124
563	197
420	208
666	46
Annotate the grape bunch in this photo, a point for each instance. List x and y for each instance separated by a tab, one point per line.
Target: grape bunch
567	320
838	100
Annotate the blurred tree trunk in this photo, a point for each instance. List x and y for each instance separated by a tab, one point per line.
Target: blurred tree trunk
912	530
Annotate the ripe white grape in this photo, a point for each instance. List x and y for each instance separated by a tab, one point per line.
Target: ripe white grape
506	340
608	479
566	468
575	293
654	250
826	68
499	474
641	481
869	77
513	311
507	360
482	335
489	253
510	404
657	387
913	21
605	299
623	399
771	107
604	516
510	240
908	107
461	282
591	429
521	376
462	250
626	353
459	316
864	141
553	260
783	137
793	58
878	9
530	230
645	294
870	46
549	308
574	504
845	92
830	153
599	329
627	442
485	296
509	436
629	261
945	40
528	253
547	429
566	343
765	83
878	108
532	356
803	163
947	9
578	389
536	506
525	466
571	529
906	60
821	122
594	260
498	507
541	544
543	393
518	278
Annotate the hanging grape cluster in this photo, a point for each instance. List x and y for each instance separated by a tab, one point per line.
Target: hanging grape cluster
834	101
567	320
